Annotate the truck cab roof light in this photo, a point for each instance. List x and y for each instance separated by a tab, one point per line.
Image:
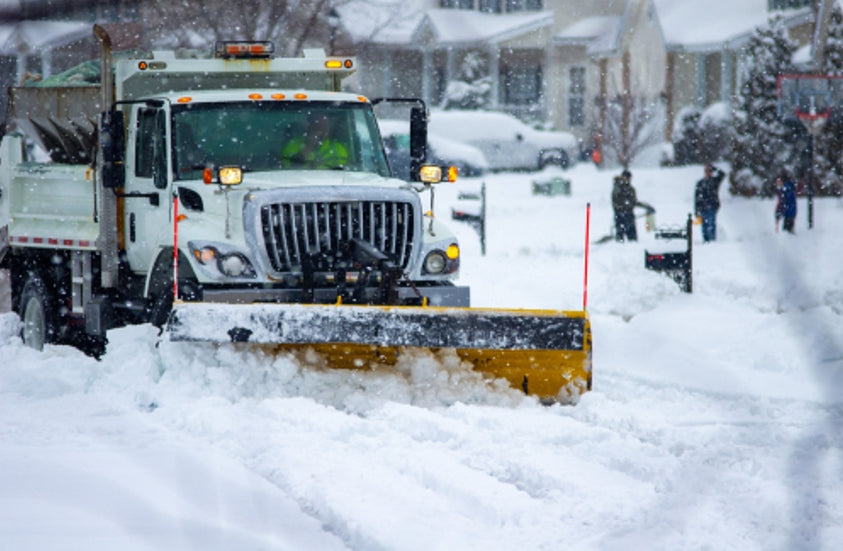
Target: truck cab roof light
244	50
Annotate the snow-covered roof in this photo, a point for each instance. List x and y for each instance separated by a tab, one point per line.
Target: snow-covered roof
367	21
598	33
36	35
461	26
449	26
704	25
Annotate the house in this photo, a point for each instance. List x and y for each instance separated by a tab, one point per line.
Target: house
596	68
704	46
564	62
39	39
420	57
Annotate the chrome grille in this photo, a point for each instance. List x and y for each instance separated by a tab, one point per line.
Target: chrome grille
295	231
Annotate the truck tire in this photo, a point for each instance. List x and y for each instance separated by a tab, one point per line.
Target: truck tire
38	313
160	298
159	310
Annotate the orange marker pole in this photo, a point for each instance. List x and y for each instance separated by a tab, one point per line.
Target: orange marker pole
175	247
585	277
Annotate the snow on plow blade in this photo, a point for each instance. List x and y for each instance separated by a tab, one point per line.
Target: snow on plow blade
546	353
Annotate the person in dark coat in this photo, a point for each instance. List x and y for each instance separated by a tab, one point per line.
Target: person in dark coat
707	200
786	205
624	200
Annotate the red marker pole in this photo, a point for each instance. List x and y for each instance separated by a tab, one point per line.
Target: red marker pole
585	277
175	247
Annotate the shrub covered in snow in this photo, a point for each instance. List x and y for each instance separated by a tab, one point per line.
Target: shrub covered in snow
715	130
686	136
472	89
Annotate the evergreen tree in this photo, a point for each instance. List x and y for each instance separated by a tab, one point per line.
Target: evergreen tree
764	145
833	64
828	162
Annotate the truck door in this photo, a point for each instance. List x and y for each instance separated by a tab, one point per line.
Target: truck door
147	211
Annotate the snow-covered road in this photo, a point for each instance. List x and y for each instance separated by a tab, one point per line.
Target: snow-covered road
715	420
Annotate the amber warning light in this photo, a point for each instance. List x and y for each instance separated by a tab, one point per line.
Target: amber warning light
244	50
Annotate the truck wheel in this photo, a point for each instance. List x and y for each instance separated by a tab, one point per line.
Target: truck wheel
160	297
161	302
160	309
37	313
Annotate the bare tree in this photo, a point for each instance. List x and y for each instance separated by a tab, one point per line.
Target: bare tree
629	119
291	24
629	126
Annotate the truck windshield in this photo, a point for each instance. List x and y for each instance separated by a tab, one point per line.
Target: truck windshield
278	135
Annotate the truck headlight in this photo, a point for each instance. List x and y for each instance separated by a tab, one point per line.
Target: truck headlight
434	262
232	264
442	262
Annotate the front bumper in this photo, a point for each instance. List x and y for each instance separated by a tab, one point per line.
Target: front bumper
439	295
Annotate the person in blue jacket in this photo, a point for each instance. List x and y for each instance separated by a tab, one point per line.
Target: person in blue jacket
707	200
786	205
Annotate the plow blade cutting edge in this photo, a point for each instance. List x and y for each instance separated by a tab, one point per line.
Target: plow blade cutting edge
546	353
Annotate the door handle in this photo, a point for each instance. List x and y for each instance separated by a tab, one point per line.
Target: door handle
153	197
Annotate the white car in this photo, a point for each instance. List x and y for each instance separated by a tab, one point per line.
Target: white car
507	143
468	159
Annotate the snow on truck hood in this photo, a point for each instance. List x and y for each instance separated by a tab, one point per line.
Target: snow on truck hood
274	179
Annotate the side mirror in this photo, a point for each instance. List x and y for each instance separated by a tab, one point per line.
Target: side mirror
418	140
112	146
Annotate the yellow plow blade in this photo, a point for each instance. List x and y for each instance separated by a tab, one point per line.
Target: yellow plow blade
546	353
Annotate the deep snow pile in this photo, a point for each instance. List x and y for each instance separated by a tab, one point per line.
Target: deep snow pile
715	421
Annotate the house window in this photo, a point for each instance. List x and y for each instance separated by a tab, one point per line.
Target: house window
491	6
522	85
576	97
787	4
523	5
457	4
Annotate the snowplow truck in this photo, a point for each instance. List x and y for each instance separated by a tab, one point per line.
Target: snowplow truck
244	198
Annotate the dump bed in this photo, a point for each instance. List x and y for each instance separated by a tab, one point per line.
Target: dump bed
47	206
61	119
